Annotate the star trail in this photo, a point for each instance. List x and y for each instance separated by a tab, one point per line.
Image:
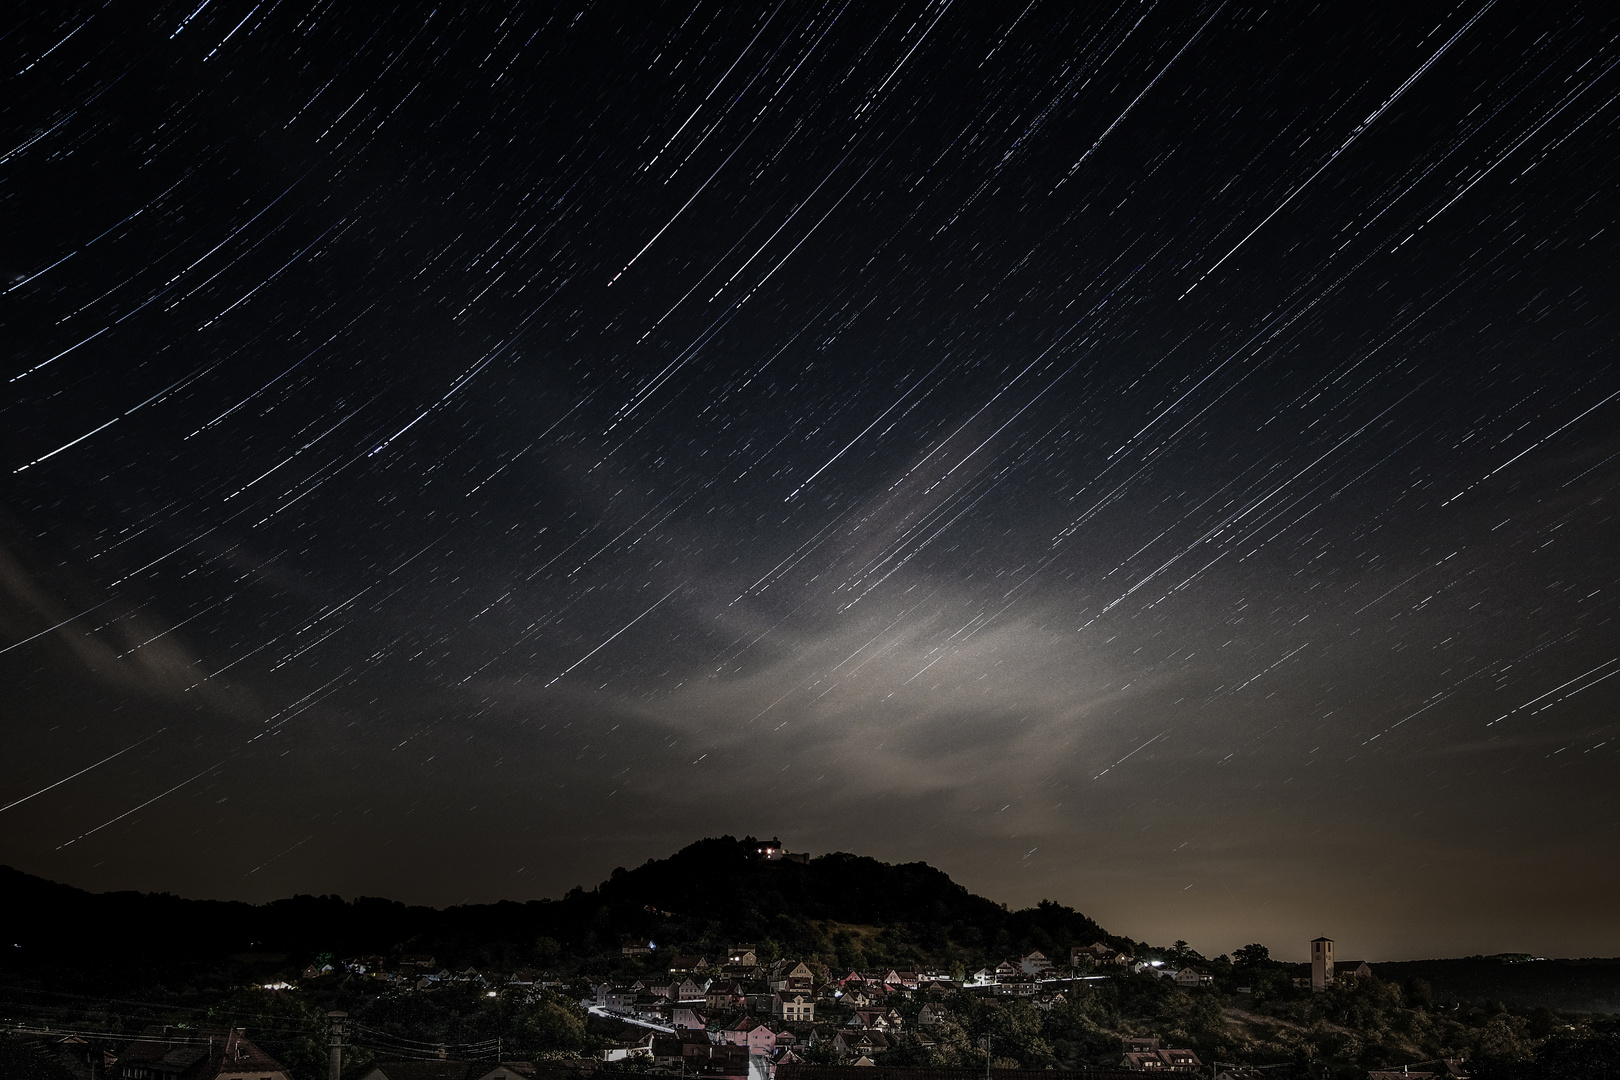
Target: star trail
1157	457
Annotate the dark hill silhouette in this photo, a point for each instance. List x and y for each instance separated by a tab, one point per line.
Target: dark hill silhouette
842	906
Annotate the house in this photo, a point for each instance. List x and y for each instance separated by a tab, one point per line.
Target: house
856	996
749	1032
638	1047
691	989
793	1006
84	1058
637	948
1020	984
1096	953
447	1069
165	1053
654	1010
1181	1061
1035	962
863	1019
932	1015
718	1059
1351	969
421	961
690	1046
772	851
742	956
864	1043
1193	977
684	1016
1164	1061
1145	1055
877	1020
505	1070
664	988
1450	1068
723	996
442	1069
666	1052
686	965
791	975
450	1069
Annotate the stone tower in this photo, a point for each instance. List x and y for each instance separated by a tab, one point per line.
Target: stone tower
1321	963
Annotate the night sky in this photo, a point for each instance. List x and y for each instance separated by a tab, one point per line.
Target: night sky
1159	457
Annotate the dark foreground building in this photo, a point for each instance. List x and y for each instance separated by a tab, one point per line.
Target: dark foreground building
866	1072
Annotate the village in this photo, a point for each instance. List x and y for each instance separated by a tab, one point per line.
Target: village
1108	1009
717	1017
731	1017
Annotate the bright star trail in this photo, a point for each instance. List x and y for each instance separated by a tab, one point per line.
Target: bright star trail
1092	450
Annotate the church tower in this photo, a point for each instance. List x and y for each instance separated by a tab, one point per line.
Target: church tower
1321	963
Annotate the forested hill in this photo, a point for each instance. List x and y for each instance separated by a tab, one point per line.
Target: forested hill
844	908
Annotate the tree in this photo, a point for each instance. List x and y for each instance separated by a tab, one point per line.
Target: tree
545	950
1014	1029
1583	1055
1251	956
552	1023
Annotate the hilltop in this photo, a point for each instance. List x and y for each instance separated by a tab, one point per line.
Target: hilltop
855	909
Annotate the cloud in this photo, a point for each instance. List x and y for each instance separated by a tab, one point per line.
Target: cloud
120	641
